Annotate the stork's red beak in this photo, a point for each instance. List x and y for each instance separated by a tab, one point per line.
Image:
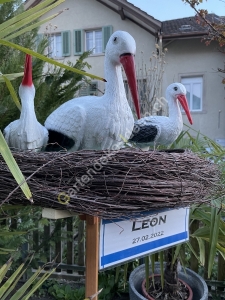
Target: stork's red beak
27	78
127	61
184	103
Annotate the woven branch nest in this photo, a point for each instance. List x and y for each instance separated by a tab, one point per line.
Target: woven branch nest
111	184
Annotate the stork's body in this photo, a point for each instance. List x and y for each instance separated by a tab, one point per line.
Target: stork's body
26	133
100	122
162	130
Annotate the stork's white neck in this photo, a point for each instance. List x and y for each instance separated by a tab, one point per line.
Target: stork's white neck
27	115
114	88
174	109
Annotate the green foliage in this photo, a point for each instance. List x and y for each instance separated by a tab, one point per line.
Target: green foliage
65	291
211	216
114	281
9	286
57	87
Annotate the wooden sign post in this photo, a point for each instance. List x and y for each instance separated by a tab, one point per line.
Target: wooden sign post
92	256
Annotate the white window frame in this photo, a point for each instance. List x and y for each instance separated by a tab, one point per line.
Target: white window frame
193	80
94	40
53	52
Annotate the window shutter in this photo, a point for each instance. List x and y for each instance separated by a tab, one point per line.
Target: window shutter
65	43
78	41
106	33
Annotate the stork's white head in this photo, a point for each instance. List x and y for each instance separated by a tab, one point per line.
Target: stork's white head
121	49
178	91
119	44
26	89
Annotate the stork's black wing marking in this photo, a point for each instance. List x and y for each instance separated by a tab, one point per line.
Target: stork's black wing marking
57	141
143	133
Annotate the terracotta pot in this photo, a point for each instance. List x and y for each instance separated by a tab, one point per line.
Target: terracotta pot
147	296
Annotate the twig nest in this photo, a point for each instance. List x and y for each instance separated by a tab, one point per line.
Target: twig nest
111	184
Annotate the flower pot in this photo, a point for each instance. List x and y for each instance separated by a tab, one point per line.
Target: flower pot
197	284
147	296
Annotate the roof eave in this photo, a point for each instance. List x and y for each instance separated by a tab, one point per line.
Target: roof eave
178	36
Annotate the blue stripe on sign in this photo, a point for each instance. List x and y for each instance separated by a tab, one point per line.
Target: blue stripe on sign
116	256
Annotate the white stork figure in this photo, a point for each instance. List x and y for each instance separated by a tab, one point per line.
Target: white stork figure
100	123
26	133
162	130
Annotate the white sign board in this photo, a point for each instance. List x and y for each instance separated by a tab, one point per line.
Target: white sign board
124	240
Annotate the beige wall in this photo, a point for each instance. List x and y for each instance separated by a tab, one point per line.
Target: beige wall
87	14
193	57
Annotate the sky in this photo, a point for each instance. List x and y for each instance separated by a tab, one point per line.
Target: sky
174	9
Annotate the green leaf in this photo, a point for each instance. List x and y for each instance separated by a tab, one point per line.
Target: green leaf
47	59
27	19
4	269
29	28
214	233
25	14
38	284
192	250
13	167
161	261
147	272
4	1
201	245
12	91
11	279
13	285
24	288
11	76
11	233
176	253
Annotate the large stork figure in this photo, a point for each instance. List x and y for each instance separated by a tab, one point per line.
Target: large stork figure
100	123
26	133
162	130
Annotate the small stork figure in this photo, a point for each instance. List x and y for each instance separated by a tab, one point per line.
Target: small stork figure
26	133
162	130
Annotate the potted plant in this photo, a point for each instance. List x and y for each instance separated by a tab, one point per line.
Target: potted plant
211	231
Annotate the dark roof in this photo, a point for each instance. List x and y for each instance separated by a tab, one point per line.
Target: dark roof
187	27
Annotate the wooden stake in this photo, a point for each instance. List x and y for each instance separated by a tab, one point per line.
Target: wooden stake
92	256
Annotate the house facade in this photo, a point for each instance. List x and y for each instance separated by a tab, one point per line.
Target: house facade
87	24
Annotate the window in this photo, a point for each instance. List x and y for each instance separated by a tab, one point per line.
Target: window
59	44
194	87
95	39
89	89
55	45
